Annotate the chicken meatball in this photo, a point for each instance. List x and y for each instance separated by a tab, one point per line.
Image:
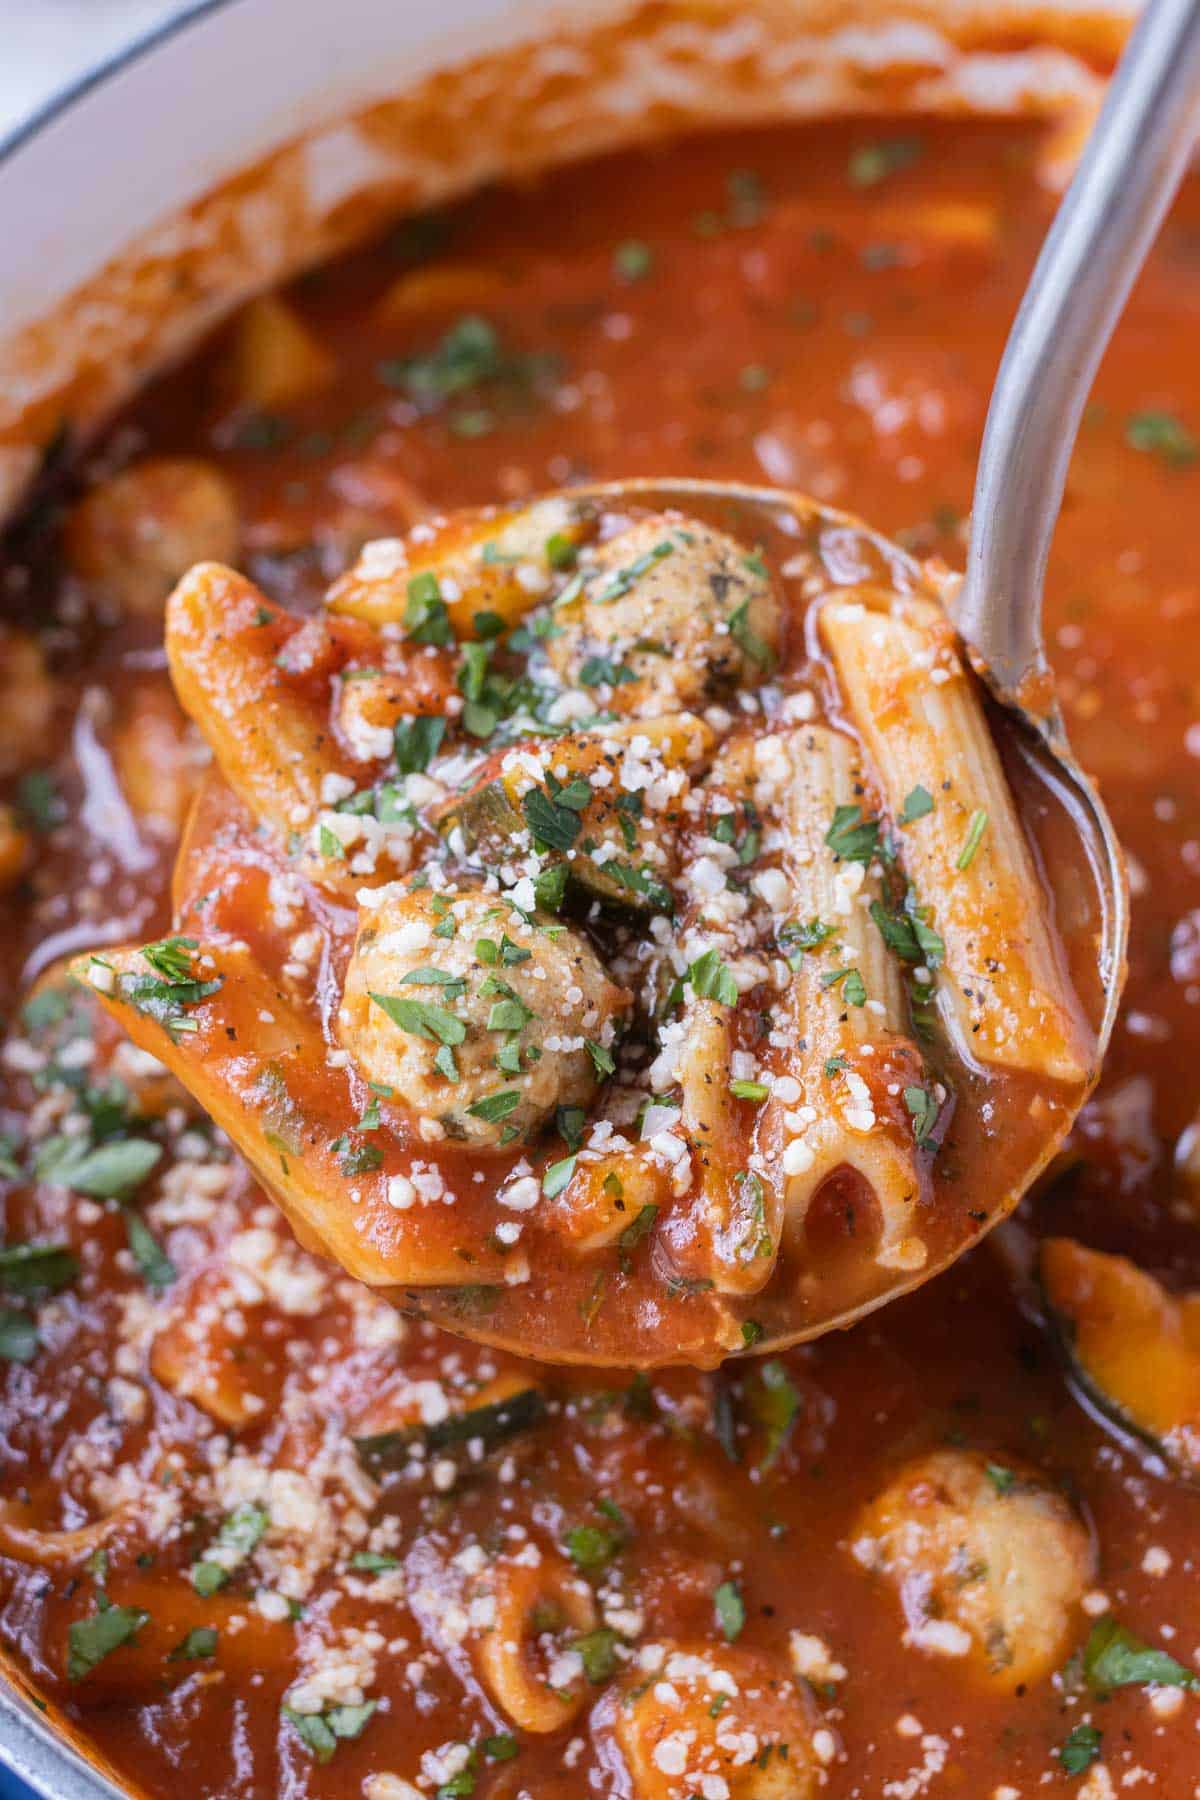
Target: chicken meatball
134	535
475	1016
989	1561
669	614
712	1716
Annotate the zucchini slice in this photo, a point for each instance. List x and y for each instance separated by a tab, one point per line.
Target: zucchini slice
500	1410
1132	1348
607	806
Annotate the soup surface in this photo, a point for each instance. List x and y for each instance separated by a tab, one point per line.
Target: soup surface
261	1530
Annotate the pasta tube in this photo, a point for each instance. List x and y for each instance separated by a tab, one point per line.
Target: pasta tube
1002	988
846	1005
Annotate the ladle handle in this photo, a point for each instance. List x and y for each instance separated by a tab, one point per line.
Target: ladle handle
1133	163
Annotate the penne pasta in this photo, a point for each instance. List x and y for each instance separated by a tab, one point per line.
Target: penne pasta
488	566
1002	989
847	1010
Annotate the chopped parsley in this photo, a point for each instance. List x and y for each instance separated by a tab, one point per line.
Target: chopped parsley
1113	1657
854	991
238	1537
37	1268
1164	435
923	1111
417	742
167	998
598	1652
90	1640
851	836
1081	1749
748	640
154	1265
494	1107
774	1404
422	1018
918	802
426	620
320	1732
553	813
595	1546
199	1643
908	934
730	1610
975	830
632	573
872	163
557	1176
711	980
639	1228
18	1336
633	260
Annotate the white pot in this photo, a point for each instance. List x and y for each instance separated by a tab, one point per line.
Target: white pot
128	225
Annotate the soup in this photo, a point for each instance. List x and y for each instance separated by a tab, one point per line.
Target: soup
261	1527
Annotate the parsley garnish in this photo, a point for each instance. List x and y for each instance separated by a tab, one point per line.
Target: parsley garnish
37	1268
89	1641
552	813
975	830
633	260
426	620
1081	1749
494	1107
851	837
748	640
1113	1657
730	1610
155	1266
422	1018
774	1404
872	163
917	803
597	1649
639	1227
1163	435
320	1732
557	1176
711	980
417	742
854	991
632	573
923	1110
238	1537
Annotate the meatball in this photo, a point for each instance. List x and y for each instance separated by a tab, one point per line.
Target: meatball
989	1561
134	535
476	1017
712	1714
677	613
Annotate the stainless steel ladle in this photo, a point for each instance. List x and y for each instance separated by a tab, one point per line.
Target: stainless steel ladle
1134	161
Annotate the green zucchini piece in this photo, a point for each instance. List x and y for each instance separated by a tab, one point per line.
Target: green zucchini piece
493	1421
